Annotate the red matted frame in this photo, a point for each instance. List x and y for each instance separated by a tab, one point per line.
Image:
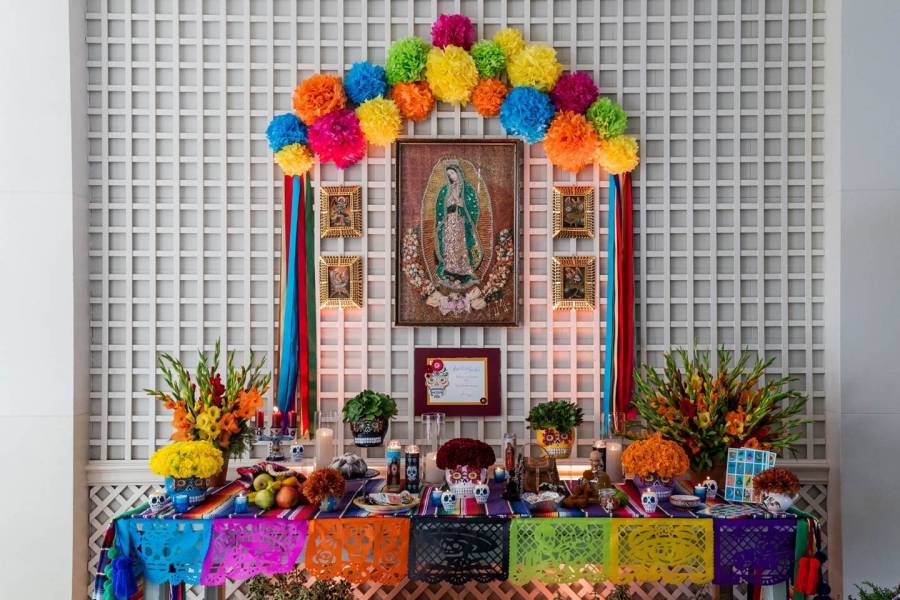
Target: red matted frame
492	405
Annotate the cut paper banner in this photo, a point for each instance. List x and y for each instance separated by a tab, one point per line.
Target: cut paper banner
618	386
297	362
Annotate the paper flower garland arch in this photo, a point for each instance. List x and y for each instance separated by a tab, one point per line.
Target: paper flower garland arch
521	83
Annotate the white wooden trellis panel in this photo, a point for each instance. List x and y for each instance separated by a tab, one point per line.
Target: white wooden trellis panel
726	98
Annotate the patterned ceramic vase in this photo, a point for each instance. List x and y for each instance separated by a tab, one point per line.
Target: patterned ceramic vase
194	487
776	502
367	434
462	480
556	444
662	487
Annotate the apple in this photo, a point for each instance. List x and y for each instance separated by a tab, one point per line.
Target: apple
262	481
287	497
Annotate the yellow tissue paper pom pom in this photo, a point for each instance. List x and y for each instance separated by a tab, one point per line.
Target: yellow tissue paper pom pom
379	119
535	66
618	155
295	159
451	74
510	41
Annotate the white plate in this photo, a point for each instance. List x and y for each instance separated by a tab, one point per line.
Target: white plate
684	501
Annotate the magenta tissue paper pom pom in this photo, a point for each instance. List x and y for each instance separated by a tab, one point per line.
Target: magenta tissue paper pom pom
453	30
574	91
337	137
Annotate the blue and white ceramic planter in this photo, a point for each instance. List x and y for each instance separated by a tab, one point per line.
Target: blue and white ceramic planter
194	487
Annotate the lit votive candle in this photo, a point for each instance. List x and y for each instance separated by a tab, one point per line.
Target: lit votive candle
240	503
700	492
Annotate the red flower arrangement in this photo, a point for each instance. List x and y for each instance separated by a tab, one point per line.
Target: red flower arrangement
465	451
324	483
780	481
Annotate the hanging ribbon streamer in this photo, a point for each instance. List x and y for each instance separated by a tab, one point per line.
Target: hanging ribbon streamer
619	343
297	368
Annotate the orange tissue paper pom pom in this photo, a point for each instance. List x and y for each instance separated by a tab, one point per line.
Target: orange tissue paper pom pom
488	95
317	96
571	142
414	99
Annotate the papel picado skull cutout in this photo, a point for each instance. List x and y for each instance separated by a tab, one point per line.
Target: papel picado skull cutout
482	491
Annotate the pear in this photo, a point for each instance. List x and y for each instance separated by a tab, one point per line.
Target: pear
265	499
262	481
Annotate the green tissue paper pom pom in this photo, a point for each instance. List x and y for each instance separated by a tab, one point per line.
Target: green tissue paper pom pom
489	59
607	117
406	60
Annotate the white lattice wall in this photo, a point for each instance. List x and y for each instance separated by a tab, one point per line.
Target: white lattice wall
726	98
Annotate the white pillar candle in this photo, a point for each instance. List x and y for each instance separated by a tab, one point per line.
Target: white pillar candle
432	473
324	447
614	461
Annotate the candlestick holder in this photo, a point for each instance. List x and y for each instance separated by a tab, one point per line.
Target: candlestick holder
276	436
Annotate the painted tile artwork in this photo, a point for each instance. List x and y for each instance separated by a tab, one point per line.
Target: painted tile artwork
743	465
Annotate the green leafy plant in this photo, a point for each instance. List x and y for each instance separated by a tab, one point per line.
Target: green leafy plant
556	414
292	586
368	405
708	412
869	591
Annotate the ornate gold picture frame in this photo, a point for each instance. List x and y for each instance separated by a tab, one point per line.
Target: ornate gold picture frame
340	282
573	211
341	212
574	282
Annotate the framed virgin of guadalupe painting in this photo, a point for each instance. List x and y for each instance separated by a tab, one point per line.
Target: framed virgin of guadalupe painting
458	208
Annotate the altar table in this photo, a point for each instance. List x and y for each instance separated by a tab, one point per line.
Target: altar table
494	541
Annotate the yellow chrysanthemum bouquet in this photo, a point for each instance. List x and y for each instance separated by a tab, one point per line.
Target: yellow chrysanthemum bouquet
207	409
182	460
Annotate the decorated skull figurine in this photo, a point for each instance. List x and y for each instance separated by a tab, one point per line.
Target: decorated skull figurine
462	479
157	499
649	500
712	488
448	501
482	491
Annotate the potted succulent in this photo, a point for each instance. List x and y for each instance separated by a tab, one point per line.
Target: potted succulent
368	413
187	467
465	462
777	488
324	487
654	463
555	423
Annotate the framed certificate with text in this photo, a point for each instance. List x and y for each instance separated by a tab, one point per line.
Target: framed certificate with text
457	381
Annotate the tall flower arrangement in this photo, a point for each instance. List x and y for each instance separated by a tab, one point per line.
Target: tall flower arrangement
206	408
707	413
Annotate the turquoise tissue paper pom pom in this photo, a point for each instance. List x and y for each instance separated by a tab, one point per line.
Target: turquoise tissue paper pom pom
285	130
527	111
365	81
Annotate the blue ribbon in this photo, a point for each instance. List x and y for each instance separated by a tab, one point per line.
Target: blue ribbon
289	347
610	350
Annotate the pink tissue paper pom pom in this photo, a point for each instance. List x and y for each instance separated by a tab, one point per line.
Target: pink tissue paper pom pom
337	137
574	92
453	30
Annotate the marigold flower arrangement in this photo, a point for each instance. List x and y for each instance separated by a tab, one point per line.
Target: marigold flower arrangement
324	483
187	459
780	481
465	452
707	413
204	408
655	456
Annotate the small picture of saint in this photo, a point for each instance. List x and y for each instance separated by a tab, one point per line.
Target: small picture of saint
457	251
339	211
573	211
339	282
573	283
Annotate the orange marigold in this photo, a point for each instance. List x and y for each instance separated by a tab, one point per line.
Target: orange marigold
317	96
488	95
414	99
655	455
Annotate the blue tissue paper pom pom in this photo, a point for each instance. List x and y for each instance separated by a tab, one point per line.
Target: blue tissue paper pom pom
285	130
365	81
527	112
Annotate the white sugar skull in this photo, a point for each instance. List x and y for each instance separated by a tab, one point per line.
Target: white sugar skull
448	501
712	488
482	491
157	499
649	500
462	479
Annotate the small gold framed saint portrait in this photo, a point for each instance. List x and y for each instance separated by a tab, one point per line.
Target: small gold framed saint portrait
341	214
340	282
574	282
573	211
